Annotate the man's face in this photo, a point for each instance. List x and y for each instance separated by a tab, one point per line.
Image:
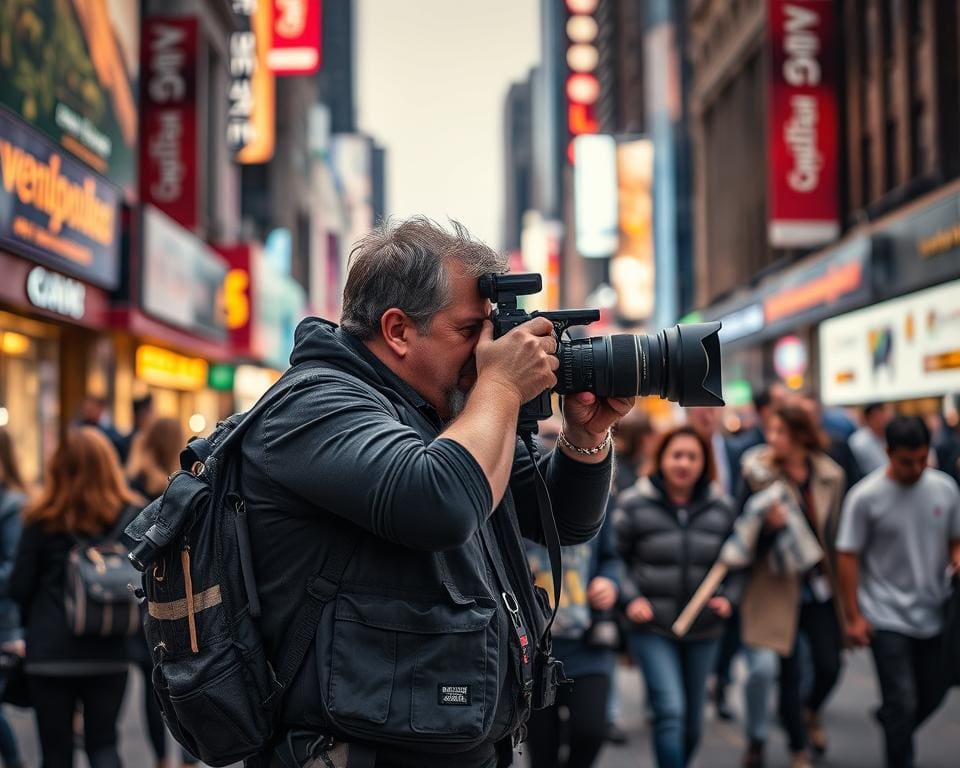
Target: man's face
907	464
705	420
440	364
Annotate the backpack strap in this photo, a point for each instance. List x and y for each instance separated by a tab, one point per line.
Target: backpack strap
198	450
320	590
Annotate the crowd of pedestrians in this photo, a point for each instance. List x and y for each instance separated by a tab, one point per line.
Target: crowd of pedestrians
826	531
823	534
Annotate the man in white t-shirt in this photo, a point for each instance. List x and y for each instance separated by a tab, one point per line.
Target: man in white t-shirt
898	541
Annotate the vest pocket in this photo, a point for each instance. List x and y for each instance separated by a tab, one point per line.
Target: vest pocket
414	668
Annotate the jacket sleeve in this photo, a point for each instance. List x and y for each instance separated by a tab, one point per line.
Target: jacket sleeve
578	494
624	541
341	449
9	541
608	561
25	577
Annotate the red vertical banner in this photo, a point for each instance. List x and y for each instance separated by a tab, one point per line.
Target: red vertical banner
295	47
802	124
168	137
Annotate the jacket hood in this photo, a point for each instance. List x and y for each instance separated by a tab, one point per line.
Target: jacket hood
319	340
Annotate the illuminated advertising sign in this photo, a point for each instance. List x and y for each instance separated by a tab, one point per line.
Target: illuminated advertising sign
162	368
71	68
53	209
582	87
595	195
168	150
238	295
182	278
252	90
803	124
295	45
896	350
632	269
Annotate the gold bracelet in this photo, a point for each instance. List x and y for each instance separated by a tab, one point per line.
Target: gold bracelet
607	441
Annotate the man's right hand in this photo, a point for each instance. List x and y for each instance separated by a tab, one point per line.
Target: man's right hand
859	631
639	610
523	360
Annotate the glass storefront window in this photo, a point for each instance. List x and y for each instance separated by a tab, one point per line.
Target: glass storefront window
29	390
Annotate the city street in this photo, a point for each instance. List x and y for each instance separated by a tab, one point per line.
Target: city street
855	740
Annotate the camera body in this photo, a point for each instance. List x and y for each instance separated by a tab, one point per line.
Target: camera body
503	291
681	364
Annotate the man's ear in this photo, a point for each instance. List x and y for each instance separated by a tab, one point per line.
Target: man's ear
395	329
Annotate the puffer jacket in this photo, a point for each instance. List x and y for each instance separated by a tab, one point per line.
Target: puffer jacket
667	550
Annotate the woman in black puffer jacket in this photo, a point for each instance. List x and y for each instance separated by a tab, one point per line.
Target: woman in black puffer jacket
670	528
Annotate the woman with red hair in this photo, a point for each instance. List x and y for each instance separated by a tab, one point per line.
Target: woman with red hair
84	498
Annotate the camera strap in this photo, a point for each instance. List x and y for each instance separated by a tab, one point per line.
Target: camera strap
551	538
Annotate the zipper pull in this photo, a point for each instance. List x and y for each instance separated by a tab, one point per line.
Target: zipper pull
510	603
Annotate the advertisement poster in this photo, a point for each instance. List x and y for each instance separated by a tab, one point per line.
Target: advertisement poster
54	209
803	124
182	281
632	268
169	143
295	48
895	350
71	69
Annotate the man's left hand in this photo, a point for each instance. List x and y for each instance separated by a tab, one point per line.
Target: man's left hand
586	417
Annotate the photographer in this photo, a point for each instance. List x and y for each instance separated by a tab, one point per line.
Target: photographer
403	443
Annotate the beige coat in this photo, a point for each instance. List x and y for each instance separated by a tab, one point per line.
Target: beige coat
770	607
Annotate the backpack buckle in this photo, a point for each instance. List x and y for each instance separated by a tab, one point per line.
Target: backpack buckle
298	747
322	588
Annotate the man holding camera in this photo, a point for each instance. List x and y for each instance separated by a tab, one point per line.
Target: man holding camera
393	470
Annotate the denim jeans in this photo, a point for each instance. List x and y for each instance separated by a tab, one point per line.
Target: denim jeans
912	686
806	677
675	672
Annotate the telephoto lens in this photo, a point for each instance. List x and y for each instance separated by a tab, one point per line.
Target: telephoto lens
681	364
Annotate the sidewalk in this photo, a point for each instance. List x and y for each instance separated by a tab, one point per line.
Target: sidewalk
855	738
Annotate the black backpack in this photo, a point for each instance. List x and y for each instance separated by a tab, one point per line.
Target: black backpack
98	598
216	686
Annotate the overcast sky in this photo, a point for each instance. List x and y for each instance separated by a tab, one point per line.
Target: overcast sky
432	78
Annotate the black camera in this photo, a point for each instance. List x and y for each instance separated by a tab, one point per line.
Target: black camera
681	364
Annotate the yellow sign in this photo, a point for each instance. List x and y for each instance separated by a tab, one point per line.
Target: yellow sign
236	293
163	368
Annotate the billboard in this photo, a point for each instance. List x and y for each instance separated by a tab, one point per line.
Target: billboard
896	350
251	110
54	209
295	46
182	278
71	69
632	270
595	195
168	149
802	131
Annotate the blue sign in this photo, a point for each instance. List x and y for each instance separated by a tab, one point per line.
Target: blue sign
54	210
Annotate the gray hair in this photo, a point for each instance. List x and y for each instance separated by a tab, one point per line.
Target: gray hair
403	265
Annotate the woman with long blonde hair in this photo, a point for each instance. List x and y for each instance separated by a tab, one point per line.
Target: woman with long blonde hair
85	496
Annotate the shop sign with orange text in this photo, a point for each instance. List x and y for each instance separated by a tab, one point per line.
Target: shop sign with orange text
54	210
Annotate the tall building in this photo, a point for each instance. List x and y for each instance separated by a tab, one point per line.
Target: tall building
336	85
827	182
518	160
